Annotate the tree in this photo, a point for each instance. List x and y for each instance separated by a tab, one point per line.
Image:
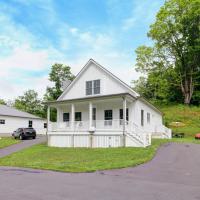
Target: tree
2	102
59	73
30	103
176	36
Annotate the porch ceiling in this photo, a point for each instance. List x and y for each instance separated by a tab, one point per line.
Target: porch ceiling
98	98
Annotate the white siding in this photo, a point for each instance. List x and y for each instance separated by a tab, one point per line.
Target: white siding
108	84
13	123
155	117
86	140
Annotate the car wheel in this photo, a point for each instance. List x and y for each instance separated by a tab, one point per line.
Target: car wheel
21	137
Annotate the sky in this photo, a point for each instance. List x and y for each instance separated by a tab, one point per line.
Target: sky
35	34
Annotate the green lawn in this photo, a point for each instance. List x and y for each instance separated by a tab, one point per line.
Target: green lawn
188	116
83	159
7	141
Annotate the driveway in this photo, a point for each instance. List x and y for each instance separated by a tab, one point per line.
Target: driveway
22	145
172	175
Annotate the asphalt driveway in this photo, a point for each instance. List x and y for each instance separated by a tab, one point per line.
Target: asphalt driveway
174	174
22	145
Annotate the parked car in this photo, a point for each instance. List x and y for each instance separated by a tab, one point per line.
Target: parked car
23	133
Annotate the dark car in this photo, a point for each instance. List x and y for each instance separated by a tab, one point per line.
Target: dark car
23	133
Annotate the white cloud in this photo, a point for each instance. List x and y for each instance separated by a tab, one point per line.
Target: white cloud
20	52
142	12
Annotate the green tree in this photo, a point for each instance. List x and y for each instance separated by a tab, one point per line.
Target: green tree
2	102
59	73
176	36
29	102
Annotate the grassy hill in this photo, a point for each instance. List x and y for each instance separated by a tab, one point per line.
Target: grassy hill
188	116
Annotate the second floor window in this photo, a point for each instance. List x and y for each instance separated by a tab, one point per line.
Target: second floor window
96	84
88	87
93	87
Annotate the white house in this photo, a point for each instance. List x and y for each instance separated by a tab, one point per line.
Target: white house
97	109
12	119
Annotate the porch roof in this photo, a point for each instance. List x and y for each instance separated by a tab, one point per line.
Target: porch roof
90	98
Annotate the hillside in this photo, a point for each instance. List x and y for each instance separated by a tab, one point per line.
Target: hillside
189	118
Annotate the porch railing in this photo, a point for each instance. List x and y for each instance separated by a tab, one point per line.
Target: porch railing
167	133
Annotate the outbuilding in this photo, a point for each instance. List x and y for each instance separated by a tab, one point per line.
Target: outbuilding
12	119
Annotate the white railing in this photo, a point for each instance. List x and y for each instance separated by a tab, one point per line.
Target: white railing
167	133
69	126
115	124
139	134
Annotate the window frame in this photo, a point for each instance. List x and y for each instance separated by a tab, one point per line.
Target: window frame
89	87
93	87
142	117
30	124
2	121
148	118
45	125
108	119
97	86
78	118
66	119
121	113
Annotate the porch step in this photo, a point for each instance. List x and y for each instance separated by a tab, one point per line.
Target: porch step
135	137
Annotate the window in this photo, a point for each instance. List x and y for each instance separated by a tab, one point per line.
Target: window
148	118
142	117
93	87
2	121
45	125
30	124
78	116
96	86
121	113
108	116
93	113
88	87
65	117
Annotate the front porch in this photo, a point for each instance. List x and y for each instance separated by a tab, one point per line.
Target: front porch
97	122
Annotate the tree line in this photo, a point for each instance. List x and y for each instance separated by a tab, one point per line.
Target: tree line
171	65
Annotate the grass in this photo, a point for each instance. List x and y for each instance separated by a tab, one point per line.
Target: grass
7	141
88	160
84	159
189	116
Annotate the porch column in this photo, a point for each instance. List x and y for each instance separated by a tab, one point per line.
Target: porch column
72	116
48	118
58	114
124	121
90	115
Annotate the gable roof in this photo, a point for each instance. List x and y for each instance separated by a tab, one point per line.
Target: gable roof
135	94
9	111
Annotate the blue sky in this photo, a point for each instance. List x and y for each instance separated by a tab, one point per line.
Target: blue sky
34	34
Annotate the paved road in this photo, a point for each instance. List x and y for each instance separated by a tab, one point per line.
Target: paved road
174	174
22	145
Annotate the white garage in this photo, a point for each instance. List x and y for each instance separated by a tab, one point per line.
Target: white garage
11	119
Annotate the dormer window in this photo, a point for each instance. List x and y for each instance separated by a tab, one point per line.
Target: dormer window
93	87
96	86
88	87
